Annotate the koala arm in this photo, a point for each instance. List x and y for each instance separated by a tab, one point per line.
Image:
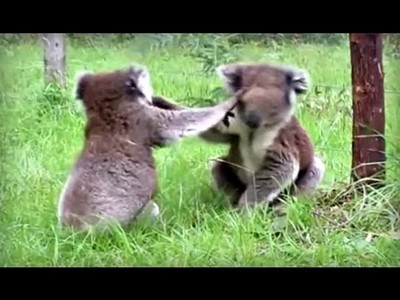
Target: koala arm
218	134
213	135
163	103
267	183
172	125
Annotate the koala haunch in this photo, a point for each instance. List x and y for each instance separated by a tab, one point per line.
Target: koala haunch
114	177
269	149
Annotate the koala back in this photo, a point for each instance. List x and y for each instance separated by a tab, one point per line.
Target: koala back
110	180
114	175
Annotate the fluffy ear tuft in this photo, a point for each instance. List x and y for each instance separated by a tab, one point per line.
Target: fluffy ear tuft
137	70
300	81
225	70
81	80
141	76
231	75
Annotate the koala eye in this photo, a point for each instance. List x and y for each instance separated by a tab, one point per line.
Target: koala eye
131	84
289	78
132	88
236	82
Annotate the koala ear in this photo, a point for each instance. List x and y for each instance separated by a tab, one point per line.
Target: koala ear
231	75
299	81
81	80
139	70
140	77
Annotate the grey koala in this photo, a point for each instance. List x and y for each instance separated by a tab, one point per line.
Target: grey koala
114	177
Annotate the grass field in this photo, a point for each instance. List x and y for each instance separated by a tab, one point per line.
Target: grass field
42	132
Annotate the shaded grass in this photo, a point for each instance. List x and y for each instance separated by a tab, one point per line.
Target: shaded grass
42	133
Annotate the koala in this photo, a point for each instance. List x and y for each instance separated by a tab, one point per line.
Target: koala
269	150
114	177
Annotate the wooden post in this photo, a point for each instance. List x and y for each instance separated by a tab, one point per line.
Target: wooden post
54	58
367	76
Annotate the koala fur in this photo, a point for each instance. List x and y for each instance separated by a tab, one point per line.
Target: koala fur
114	177
269	149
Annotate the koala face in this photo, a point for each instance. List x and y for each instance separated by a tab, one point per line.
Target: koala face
113	88
259	107
266	93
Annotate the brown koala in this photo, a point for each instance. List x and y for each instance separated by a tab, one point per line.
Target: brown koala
114	177
269	149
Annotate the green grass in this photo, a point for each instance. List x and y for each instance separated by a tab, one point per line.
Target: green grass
41	135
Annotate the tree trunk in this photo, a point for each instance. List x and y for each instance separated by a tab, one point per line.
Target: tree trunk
54	58
367	76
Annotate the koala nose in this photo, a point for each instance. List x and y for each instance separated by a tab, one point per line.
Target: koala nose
253	120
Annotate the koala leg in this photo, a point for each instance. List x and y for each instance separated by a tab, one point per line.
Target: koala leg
309	179
226	180
268	183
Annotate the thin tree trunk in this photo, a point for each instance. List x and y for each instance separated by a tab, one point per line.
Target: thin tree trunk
54	58
367	76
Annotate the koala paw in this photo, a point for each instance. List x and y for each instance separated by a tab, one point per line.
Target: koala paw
230	114
221	127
